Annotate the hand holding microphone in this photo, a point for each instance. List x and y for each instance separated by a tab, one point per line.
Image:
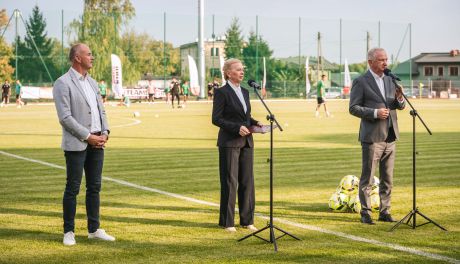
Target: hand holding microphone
399	88
399	92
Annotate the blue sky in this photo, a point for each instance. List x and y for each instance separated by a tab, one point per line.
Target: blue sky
435	24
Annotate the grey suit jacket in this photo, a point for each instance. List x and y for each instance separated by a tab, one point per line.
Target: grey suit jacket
365	97
74	112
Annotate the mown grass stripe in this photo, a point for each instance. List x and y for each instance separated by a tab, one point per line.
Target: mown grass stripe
299	225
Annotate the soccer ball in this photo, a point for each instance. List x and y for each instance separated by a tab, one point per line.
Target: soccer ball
354	203
137	114
338	202
375	202
349	184
375	186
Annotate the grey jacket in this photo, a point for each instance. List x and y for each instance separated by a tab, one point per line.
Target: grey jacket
365	97
74	112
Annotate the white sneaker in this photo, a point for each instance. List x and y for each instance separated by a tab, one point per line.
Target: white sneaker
230	229
316	114
101	234
69	239
251	227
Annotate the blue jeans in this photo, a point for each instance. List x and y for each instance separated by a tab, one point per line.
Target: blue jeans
91	160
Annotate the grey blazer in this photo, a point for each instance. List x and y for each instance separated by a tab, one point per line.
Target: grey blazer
74	112
365	97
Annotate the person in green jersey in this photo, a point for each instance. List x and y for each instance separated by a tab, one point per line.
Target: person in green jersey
185	91
321	95
18	89
103	90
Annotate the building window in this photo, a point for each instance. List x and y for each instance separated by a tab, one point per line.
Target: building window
440	71
428	71
214	52
453	71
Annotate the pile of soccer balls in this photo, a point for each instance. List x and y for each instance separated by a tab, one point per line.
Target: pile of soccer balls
346	197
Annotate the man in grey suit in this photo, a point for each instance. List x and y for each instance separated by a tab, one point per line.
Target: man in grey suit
374	98
84	134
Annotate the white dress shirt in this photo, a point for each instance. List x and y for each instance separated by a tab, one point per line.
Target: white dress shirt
92	101
239	93
380	84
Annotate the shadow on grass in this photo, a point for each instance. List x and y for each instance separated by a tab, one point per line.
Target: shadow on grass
8	233
122	219
307	209
156	207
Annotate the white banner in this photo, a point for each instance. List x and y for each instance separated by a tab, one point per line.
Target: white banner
307	80
33	92
193	72
222	61
29	92
117	87
264	80
136	93
346	79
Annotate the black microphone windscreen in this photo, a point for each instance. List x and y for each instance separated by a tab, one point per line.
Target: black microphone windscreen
387	72
253	84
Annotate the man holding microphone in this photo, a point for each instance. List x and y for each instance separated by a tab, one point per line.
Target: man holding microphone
374	98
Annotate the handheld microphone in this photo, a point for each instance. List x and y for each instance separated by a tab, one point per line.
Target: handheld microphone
387	72
254	85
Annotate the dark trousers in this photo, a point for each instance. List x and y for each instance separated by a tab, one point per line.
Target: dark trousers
91	160
172	98
236	176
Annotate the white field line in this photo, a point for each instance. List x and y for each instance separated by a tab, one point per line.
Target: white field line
206	101
280	220
135	122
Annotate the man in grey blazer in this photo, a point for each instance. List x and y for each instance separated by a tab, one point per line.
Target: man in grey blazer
374	98
84	134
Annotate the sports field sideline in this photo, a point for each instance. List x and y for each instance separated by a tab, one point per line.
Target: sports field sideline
161	186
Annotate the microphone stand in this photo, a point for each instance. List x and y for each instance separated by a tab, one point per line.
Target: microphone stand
270	224
413	213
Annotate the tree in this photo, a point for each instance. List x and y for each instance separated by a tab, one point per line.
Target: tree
31	68
6	52
234	41
253	54
358	67
99	27
145	55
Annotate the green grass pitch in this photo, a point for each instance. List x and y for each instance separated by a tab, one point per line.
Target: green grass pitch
174	150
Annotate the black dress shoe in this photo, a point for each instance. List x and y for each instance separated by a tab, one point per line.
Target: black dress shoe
366	219
386	218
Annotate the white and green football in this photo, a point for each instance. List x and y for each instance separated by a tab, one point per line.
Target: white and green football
349	184
338	202
375	202
354	203
375	186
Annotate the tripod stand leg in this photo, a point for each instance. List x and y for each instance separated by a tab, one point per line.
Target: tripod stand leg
273	239
429	220
286	233
254	234
408	217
